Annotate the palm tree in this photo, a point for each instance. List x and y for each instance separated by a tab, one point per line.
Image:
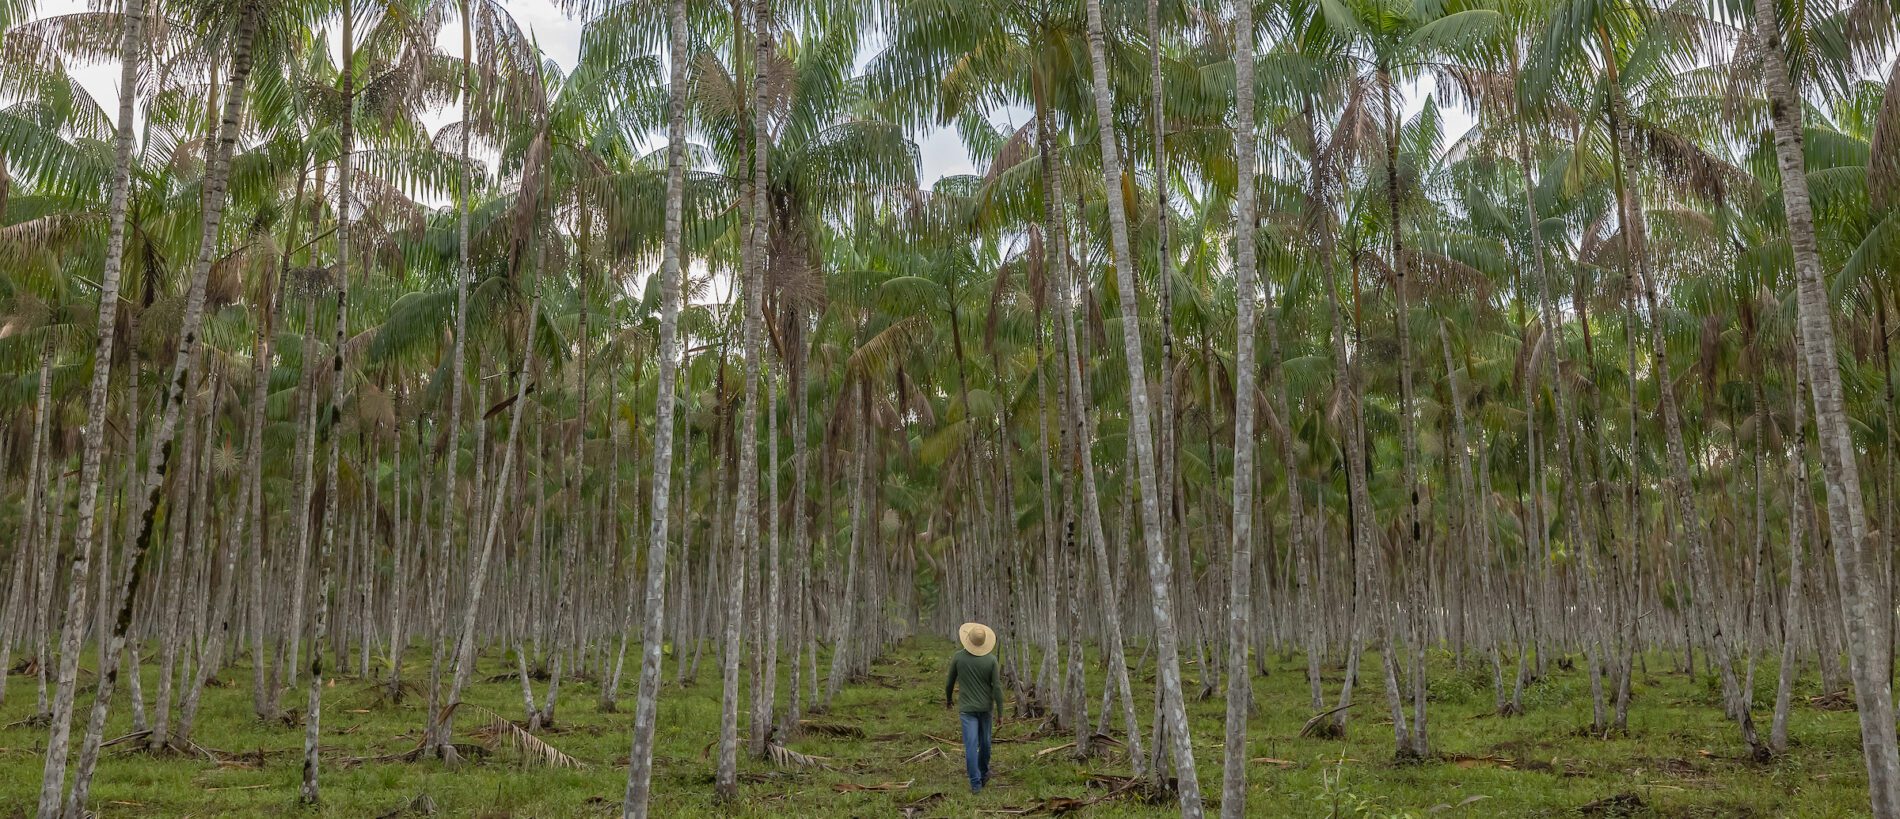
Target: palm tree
332	423
751	308
1240	592
640	767
1167	652
1847	516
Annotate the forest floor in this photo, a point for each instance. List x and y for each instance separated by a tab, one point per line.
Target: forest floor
893	753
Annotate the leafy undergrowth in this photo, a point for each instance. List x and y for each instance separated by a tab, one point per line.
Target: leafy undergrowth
887	748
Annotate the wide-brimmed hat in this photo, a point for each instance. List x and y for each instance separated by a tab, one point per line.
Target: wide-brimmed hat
976	638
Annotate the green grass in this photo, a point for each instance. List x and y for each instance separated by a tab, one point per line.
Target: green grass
1679	759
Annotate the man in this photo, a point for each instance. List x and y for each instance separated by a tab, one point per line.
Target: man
974	671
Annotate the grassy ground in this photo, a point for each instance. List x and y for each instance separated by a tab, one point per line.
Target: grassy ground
1680	758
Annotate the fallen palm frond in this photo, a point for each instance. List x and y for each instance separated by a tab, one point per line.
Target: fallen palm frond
787	758
1267	760
1050	750
925	756
1318	726
533	749
135	735
832	729
851	787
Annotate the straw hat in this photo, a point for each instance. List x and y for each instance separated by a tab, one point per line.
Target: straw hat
976	638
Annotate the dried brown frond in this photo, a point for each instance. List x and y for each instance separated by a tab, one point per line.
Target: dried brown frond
534	751
1883	170
1684	163
832	729
787	758
1019	147
1490	93
532	748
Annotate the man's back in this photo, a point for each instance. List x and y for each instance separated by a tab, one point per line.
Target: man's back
977	682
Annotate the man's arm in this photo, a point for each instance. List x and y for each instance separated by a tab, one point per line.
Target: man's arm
950	685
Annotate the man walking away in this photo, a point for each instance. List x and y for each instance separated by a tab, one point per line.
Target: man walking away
981	700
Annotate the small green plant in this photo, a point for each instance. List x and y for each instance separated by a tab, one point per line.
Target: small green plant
1341	801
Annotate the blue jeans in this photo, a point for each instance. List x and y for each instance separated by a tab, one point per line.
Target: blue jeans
976	748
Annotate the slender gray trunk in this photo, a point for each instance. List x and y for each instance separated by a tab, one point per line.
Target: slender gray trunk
652	634
131	55
333	419
1240	575
1174	710
1855	562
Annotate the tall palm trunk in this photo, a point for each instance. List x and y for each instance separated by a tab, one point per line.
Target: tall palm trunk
408	536
1167	466
1240	575
652	635
768	608
217	174
745	519
320	623
1307	578
434	738
1855	564
1054	259
1412	742
211	658
1167	650
131	54
15	608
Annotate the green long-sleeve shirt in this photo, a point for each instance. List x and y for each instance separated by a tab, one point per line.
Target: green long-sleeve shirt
980	679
